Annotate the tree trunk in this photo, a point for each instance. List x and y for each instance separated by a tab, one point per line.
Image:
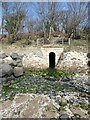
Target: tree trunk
44	33
50	33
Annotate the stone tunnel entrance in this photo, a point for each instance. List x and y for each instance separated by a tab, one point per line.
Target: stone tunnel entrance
52	60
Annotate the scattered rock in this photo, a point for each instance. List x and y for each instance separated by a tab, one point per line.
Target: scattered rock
18	71
30	106
9	64
4	55
10	78
8	60
66	79
64	117
3	80
6	69
78	111
14	56
33	62
19	64
71	59
6	104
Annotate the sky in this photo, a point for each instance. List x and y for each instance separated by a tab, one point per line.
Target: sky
32	11
44	0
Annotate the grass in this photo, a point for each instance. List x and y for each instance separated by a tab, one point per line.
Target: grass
78	42
84	106
49	72
35	81
74	42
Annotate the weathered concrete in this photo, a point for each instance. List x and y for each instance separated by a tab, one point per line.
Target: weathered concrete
46	51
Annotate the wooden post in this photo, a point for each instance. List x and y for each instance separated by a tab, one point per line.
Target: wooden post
69	41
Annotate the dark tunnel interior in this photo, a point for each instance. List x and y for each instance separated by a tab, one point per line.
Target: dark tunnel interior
52	60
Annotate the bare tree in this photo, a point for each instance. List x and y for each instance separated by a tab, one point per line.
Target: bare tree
48	14
14	17
78	16
30	24
74	18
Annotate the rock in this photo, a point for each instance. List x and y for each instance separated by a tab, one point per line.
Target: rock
30	106
1	61
64	117
63	102
18	71
88	55
6	79
8	60
5	70
4	55
14	64
58	98
18	60
3	80
79	112
19	65
14	56
10	78
66	79
33	62
39	54
6	104
74	59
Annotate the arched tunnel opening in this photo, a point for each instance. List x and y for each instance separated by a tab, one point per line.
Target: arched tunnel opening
51	60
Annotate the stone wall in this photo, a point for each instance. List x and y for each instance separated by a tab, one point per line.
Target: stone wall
46	51
12	65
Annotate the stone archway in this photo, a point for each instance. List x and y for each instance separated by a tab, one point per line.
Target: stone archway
52	60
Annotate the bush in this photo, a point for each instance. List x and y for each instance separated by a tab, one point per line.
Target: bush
11	40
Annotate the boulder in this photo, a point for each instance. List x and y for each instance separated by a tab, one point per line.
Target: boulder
18	71
64	117
14	64
88	55
10	78
1	61
33	62
79	112
3	80
14	56
18	60
8	60
7	79
5	70
19	64
74	60
4	55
